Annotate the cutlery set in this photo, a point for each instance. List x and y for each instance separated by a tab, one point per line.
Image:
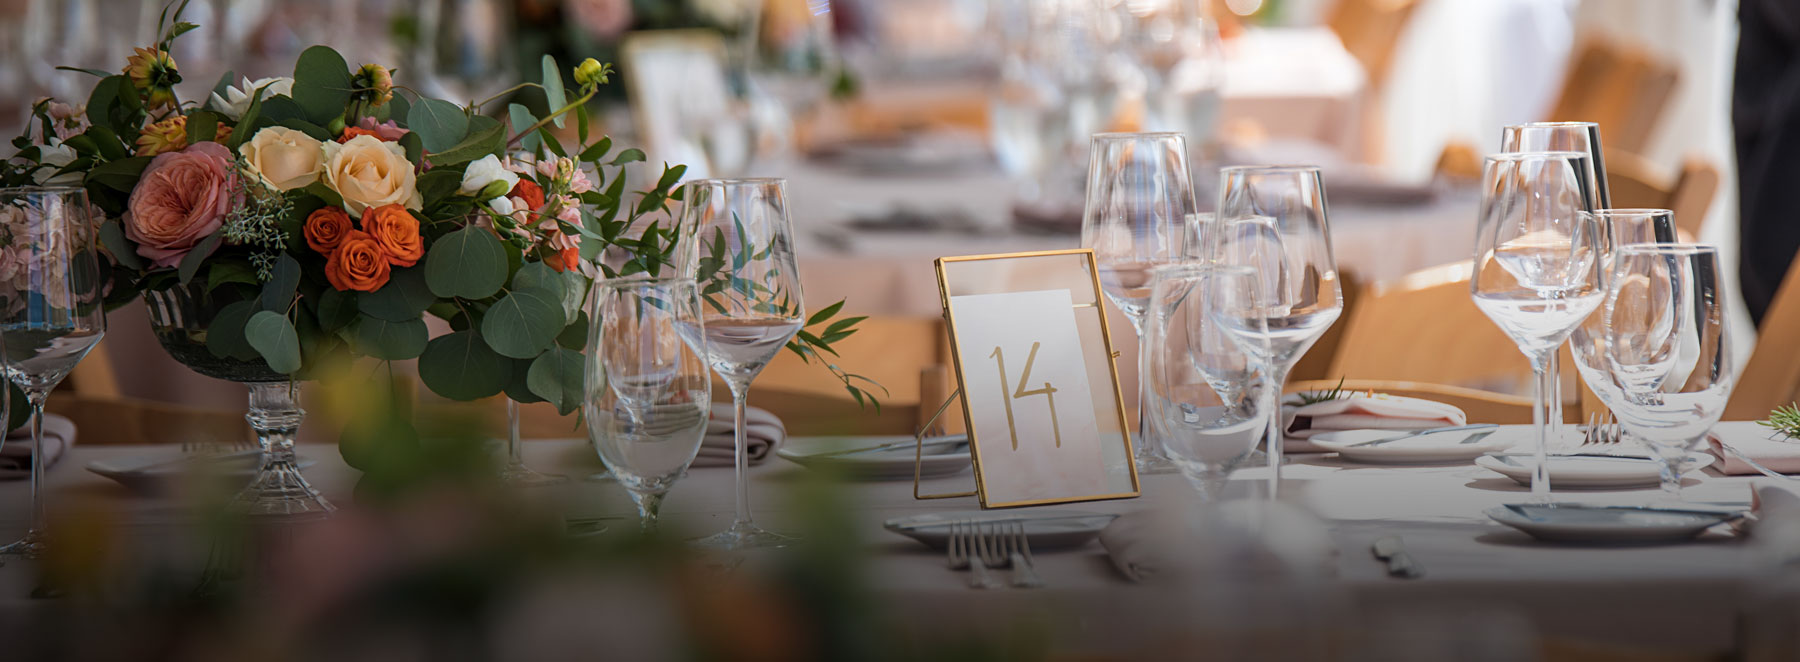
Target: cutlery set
981	546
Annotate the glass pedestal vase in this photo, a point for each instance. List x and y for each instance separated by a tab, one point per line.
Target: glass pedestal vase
180	318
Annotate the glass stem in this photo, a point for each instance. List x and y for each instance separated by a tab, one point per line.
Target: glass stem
276	417
515	453
1671	478
1274	438
38	460
1544	387
1553	405
740	459
648	503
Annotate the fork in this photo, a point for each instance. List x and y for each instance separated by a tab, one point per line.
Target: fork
960	552
1602	429
991	548
1019	548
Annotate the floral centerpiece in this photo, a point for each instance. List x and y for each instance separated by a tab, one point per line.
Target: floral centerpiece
283	226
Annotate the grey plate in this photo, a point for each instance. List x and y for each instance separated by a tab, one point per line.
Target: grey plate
893	464
1608	524
1060	529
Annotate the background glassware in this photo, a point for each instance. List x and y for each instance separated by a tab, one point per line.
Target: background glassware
790	52
1537	269
1669	348
464	50
1587	344
1139	197
648	390
514	473
1272	219
737	244
1201	391
52	313
1183	61
1582	137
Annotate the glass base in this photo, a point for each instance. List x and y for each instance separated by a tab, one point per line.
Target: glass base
602	477
1155	464
280	491
519	475
744	535
29	548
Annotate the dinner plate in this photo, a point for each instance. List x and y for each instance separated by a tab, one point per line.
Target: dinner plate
1058	529
1610	524
1440	447
1588	472
892	464
169	471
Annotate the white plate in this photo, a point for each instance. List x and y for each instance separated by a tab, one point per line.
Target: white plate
1589	472
1608	524
892	464
1057	529
1441	447
164	472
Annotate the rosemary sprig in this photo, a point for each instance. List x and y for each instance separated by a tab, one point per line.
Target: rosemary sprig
1785	421
1315	397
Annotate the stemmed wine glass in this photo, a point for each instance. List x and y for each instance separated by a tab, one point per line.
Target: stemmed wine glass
1272	220
1200	390
1538	267
1670	350
1587	344
648	391
1139	196
53	310
1584	138
738	246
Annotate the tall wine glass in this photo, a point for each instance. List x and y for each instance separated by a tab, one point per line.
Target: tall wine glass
738	246
648	391
1582	137
1538	267
1200	392
52	310
1587	344
1139	196
1669	347
1272	220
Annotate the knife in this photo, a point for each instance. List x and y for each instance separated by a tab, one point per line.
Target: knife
1420	433
1392	550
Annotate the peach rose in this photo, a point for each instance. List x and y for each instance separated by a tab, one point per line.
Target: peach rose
325	229
398	233
181	198
357	264
368	172
283	158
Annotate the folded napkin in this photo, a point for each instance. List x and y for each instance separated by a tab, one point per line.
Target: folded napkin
1251	540
1775	453
15	452
1140	544
763	432
1362	411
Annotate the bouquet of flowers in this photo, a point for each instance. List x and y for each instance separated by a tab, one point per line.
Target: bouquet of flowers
334	210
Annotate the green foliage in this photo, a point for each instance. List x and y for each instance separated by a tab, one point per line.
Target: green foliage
321	84
440	124
469	263
486	135
461	366
275	339
404	297
1315	397
556	376
523	323
393	341
1784	421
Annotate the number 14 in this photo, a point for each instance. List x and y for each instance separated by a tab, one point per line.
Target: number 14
1048	391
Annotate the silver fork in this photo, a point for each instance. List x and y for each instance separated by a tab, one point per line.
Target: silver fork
961	553
1019	553
1602	429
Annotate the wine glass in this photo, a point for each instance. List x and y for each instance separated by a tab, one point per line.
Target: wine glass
1139	197
1582	137
1272	220
1538	267
1200	392
737	245
1183	60
648	391
1587	344
53	310
1667	340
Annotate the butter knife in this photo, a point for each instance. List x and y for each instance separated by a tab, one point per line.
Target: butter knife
1392	550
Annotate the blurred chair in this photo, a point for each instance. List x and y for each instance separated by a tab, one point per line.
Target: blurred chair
1637	183
1370	31
1318	361
91	397
1622	87
1424	328
906	355
1481	406
1772	376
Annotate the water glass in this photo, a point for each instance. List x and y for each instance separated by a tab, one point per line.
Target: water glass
1587	344
1201	390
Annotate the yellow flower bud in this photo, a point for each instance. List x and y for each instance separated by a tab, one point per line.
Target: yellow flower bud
591	72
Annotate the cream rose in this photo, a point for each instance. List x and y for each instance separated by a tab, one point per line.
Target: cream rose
368	172
283	158
482	173
237	99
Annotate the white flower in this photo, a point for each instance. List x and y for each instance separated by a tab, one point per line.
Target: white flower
237	99
483	173
54	156
502	206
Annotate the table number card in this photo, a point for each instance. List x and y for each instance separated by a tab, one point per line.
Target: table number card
1034	364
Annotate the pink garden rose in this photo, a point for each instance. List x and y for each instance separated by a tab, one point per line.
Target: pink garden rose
181	199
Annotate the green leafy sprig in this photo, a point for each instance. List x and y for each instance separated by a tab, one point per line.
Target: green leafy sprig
1784	421
1315	397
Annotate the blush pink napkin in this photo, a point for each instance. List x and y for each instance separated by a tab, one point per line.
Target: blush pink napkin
1361	411
1772	452
764	432
15	452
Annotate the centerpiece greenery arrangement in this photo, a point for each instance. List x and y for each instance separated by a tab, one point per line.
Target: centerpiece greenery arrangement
284	228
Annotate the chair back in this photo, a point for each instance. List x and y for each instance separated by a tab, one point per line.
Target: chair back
1623	88
1423	327
1772	377
1370	31
1637	183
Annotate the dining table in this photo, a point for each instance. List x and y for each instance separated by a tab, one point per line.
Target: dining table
1482	581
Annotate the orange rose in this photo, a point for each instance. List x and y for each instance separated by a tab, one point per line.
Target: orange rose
357	264
564	259
397	232
531	193
325	229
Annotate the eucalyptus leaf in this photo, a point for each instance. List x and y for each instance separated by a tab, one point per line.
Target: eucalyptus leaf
196	258
469	263
275	339
321	84
556	376
283	282
439	123
336	309
486	136
522	323
225	333
404	297
553	88
461	366
112	236
393	341
522	119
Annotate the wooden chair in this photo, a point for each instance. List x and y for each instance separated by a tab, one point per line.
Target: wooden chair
1638	183
91	397
1481	406
1622	87
1318	361
1370	31
1772	376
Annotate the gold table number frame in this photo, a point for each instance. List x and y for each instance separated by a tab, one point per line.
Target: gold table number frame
1076	272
